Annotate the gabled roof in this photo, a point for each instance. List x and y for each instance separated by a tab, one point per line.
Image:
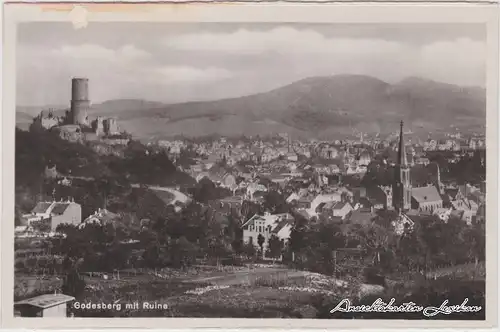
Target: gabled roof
269	219
452	192
103	215
59	208
41	207
339	205
426	194
280	225
322	205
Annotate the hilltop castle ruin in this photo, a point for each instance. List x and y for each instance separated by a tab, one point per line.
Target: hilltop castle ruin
74	124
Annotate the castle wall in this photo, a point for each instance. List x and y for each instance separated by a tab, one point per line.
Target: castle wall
111	126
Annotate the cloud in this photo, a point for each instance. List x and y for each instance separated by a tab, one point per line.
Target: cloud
125	53
280	40
109	70
191	74
462	61
205	64
306	52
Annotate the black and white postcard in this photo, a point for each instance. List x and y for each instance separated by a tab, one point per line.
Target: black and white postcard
284	165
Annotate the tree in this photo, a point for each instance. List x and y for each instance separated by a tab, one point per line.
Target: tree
152	256
206	191
476	237
299	233
74	284
274	202
275	246
104	185
182	252
249	249
260	242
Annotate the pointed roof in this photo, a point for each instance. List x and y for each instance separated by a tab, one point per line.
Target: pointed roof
426	194
42	207
401	149
59	208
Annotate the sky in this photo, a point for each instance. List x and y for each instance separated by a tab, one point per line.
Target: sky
179	62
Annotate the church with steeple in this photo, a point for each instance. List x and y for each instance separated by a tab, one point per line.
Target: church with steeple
404	197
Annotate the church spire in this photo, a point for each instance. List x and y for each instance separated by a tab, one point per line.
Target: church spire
401	149
401	187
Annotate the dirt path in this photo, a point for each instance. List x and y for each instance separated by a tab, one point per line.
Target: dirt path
245	276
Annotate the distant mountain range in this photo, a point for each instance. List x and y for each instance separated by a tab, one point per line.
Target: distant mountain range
321	107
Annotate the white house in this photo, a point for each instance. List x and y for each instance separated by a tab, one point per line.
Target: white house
267	225
443	213
338	209
46	216
100	217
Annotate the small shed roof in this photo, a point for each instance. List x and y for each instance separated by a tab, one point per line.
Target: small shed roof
46	300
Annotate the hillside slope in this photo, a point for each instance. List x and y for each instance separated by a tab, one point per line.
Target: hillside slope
313	107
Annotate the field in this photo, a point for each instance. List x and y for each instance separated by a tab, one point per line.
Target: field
207	291
269	292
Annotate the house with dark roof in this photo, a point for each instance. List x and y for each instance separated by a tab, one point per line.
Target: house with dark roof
338	209
46	216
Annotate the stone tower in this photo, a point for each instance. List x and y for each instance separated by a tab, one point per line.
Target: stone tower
80	103
401	188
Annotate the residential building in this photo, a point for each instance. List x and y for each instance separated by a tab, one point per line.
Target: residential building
337	209
266	225
100	217
46	216
443	213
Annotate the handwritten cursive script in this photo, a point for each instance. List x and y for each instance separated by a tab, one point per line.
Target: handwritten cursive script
380	306
377	306
446	310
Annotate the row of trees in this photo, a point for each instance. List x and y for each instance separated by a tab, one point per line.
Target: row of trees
431	244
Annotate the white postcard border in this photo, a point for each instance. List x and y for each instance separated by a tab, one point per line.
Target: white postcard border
262	12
